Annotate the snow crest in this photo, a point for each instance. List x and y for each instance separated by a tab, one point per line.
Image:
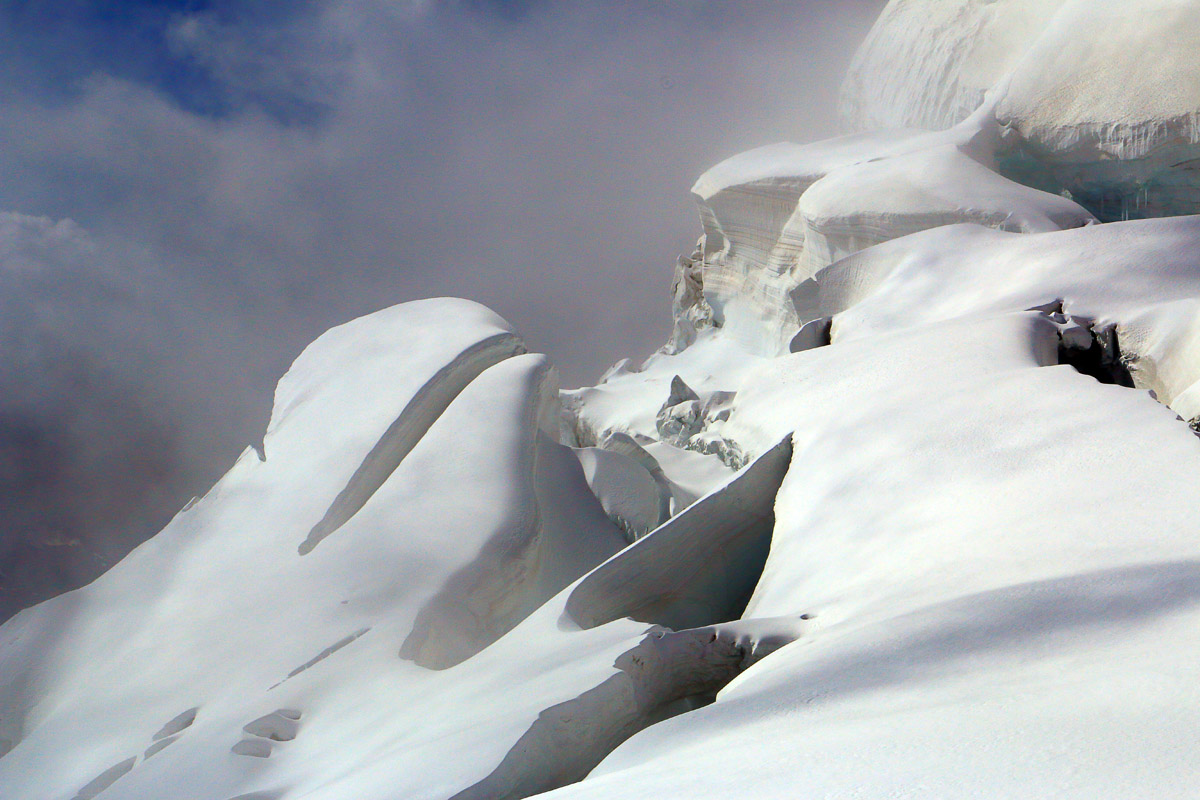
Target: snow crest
906	506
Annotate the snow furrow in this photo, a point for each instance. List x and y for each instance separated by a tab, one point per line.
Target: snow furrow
403	434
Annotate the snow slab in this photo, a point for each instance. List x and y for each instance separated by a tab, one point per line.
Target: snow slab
995	607
775	216
1140	277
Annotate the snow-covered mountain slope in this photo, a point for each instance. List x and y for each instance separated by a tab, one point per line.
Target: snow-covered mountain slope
1100	98
233	613
906	507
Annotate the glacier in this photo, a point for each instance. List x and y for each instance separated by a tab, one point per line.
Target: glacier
905	507
1098	98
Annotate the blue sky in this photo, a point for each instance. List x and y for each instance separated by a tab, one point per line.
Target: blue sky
54	47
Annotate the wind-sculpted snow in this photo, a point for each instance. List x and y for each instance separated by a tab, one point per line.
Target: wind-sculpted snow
1100	98
995	418
929	63
402	435
696	588
749	253
550	528
1142	277
666	674
222	622
1053	688
906	506
1118	125
867	204
964	523
775	216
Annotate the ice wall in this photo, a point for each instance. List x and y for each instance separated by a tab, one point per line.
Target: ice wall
1097	98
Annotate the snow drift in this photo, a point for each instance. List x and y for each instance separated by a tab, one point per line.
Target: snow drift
906	505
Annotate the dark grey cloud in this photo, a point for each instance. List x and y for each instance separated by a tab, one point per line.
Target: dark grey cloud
182	221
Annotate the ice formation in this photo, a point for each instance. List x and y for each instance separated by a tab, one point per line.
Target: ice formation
1098	98
905	507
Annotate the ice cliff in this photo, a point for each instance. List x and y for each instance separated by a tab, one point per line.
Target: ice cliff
1097	98
905	507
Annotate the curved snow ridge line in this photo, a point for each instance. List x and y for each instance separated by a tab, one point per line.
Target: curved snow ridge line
698	568
827	241
1144	281
666	674
429	402
489	596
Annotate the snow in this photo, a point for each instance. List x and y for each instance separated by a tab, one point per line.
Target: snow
982	571
905	508
1140	276
629	402
628	491
998	696
775	216
1085	108
735	520
866	204
929	63
749	249
222	615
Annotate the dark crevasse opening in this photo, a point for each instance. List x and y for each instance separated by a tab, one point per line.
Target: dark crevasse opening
1097	355
1096	352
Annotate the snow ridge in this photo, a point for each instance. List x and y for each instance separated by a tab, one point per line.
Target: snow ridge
426	405
906	506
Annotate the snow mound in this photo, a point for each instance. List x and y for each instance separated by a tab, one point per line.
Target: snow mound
229	629
1141	279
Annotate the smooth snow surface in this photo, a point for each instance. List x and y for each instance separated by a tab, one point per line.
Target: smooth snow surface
906	507
1138	277
867	204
